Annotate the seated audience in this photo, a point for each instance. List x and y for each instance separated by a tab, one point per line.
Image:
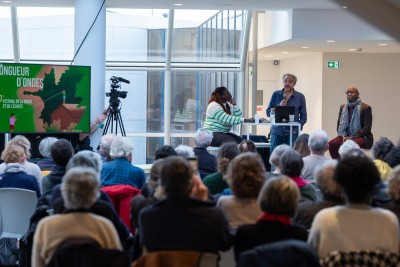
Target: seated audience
393	157
246	175
30	168
104	146
61	152
393	187
379	151
318	145
301	145
120	170
207	163
330	191
274	159
47	163
291	165
247	146
184	151
164	151
215	182
188	223
79	192
347	146
14	174
355	226
278	201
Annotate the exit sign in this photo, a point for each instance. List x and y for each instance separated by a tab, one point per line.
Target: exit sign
333	64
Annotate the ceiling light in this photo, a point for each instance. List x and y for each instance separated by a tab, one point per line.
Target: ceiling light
352	49
382	44
305	47
330	41
285	52
178	4
344	7
6	1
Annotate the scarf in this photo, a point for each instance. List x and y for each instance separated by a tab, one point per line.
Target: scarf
265	216
346	128
299	181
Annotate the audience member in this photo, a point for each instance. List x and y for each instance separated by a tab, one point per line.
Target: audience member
275	157
301	145
330	191
30	168
317	144
347	146
79	191
164	151
393	157
61	152
187	223
207	163
216	182
278	201
120	170
184	151
104	146
394	192
291	165
246	175
14	174
47	163
247	146
380	150
356	226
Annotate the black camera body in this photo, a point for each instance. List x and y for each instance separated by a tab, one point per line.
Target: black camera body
114	94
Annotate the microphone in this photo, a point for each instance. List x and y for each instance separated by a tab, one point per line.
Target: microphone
120	79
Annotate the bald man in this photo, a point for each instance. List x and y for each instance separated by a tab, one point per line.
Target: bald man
354	122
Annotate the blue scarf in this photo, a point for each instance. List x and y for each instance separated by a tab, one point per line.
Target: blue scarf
346	128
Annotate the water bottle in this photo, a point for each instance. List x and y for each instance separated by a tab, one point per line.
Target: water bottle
272	115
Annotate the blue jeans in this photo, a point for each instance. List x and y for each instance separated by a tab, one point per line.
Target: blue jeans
277	140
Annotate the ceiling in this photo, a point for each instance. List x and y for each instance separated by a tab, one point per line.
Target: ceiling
382	14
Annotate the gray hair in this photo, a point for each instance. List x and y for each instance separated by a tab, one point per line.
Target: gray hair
45	146
280	196
80	188
105	143
86	158
325	181
347	146
23	142
121	147
394	184
277	153
318	142
184	151
203	137
289	75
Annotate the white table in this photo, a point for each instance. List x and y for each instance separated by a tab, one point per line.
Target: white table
289	124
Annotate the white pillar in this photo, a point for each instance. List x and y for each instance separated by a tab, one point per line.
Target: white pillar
92	52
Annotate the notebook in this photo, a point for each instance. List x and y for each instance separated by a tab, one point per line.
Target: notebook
282	113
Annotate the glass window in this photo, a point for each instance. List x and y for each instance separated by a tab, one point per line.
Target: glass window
6	43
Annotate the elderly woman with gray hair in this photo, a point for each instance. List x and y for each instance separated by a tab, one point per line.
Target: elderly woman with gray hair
278	201
274	159
207	162
80	189
47	163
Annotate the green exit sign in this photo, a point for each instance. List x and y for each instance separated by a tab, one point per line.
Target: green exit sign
333	64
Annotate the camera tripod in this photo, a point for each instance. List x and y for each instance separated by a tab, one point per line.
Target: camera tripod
114	116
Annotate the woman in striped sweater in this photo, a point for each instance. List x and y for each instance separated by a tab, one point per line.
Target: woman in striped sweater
222	113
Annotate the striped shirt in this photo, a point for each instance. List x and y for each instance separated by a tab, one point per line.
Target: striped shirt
217	120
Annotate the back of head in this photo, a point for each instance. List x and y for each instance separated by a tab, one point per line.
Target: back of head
346	146
23	142
12	154
277	153
121	147
226	153
318	142
357	175
80	188
61	152
105	143
203	137
279	196
301	145
176	177
246	175
381	148
45	146
165	151
155	173
394	185
86	158
184	151
247	146
291	163
325	181
393	157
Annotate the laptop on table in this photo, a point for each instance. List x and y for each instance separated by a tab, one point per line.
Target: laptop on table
282	113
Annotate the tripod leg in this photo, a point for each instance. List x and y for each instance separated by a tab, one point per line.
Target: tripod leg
121	123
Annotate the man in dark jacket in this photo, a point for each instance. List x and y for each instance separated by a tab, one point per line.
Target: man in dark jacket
207	163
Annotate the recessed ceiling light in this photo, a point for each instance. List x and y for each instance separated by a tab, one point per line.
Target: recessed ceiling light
352	49
305	47
178	4
330	41
344	7
382	44
285	52
6	1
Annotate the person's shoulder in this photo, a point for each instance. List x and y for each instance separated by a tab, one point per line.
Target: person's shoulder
365	105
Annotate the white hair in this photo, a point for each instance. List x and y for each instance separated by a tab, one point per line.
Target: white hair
121	147
45	146
346	146
184	151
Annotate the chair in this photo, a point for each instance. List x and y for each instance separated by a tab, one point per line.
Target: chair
360	258
16	208
86	252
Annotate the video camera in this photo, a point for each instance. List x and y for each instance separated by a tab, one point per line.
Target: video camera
114	94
